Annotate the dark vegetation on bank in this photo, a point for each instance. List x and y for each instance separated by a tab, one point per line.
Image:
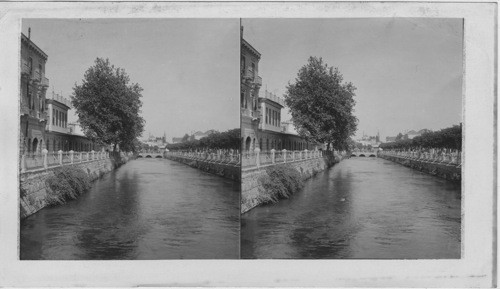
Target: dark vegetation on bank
447	138
218	140
279	182
67	183
282	181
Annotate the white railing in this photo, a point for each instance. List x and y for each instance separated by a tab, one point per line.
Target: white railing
447	157
219	156
45	160
259	158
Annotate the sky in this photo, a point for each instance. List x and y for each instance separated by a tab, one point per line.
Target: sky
188	68
407	71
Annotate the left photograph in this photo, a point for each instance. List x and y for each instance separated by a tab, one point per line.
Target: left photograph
129	139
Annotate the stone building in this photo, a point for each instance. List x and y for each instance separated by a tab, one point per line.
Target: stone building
34	86
250	86
44	120
61	135
261	124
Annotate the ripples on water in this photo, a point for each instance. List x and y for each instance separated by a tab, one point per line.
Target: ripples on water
147	209
360	208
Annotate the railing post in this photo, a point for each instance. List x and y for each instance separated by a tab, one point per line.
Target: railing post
257	156
284	155
44	153
81	157
272	155
88	156
71	152
93	154
305	152
60	157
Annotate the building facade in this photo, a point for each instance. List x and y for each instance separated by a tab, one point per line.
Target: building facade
261	125
44	119
34	86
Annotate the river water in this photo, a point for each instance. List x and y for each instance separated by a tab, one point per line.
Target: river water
360	208
146	209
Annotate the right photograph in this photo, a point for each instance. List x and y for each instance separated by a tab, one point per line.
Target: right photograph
351	135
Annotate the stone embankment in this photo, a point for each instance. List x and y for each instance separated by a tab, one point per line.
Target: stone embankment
449	170
252	189
223	166
34	191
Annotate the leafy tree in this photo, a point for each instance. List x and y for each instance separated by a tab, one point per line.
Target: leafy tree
399	136
446	138
108	106
322	105
217	140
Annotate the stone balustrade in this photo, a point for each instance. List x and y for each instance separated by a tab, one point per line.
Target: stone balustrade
258	158
443	157
219	156
45	160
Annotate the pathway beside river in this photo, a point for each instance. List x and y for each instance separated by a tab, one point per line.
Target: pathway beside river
360	208
146	209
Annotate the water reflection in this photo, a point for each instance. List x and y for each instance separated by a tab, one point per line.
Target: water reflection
361	208
147	209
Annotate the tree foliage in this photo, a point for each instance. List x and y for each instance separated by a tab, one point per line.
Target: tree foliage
108	106
449	138
322	104
217	140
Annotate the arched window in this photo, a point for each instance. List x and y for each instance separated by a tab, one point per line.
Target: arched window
35	145
248	142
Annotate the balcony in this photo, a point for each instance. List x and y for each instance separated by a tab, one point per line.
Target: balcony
257	81
45	81
43	116
251	77
25	69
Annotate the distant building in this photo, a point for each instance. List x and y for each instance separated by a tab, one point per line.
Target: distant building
176	140
288	127
199	135
390	139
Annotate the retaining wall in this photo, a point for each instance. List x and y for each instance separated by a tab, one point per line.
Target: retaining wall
34	190
223	170
251	187
445	171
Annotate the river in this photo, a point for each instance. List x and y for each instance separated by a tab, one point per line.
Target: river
147	209
367	208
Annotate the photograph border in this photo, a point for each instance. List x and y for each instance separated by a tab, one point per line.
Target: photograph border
476	268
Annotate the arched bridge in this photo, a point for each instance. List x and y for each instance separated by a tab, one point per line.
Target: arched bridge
150	155
372	154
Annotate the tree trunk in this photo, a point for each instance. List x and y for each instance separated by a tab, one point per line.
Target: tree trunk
328	146
114	147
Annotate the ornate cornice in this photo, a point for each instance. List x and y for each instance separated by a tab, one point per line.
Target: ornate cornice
249	48
33	46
